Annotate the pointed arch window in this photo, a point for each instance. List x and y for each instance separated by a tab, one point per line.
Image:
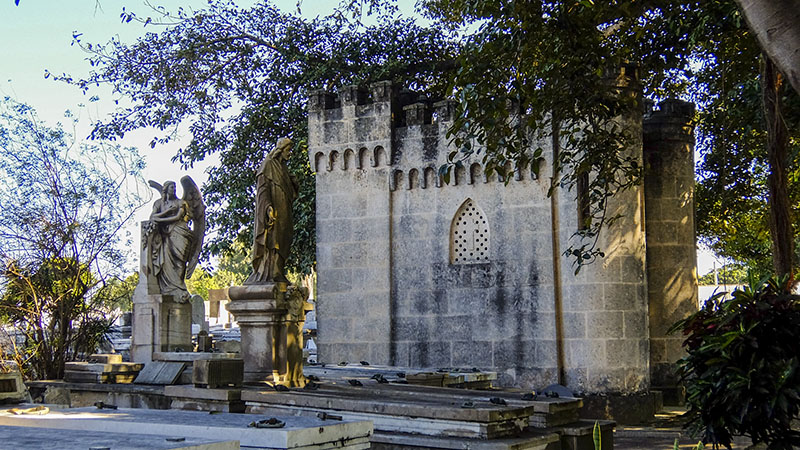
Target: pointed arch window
469	235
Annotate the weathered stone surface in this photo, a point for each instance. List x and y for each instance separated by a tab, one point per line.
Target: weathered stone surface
671	251
199	312
212	373
12	389
299	432
391	264
105	358
33	438
161	323
271	317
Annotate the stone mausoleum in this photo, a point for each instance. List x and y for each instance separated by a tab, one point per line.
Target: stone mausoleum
417	272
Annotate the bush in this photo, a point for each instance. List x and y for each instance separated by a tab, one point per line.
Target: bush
741	371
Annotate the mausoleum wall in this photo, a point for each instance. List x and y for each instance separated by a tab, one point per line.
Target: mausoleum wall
408	277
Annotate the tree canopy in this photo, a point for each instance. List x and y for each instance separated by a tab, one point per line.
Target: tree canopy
553	57
559	63
733	188
240	78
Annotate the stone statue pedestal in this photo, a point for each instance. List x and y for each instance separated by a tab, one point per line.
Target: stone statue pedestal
271	317
161	323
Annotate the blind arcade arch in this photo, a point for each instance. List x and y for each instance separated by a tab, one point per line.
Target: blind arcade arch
469	235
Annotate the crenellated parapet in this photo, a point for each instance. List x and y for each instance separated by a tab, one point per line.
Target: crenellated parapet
384	127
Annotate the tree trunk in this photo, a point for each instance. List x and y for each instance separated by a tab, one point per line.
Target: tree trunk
776	24
780	222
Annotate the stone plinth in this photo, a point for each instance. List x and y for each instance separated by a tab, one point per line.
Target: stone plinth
161	323
12	389
270	317
212	373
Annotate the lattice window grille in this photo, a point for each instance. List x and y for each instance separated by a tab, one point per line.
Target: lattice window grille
469	237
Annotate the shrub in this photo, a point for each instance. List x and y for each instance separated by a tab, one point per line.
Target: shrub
741	370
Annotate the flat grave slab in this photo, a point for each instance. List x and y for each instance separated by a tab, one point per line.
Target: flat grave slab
29	438
405	408
300	433
395	408
527	440
449	377
103	367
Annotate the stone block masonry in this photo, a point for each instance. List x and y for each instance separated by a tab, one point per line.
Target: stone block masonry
671	243
417	272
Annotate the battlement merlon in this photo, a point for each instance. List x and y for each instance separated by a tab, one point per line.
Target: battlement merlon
356	118
351	119
671	121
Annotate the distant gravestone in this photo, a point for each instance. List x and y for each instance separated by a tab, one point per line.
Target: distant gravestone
199	312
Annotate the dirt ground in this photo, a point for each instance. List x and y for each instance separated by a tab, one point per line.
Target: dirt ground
661	434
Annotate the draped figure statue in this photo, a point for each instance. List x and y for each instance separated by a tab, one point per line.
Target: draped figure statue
173	247
276	190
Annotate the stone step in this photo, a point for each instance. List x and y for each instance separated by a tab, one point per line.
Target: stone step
99	377
401	408
462	378
32	438
299	433
529	440
121	367
544	411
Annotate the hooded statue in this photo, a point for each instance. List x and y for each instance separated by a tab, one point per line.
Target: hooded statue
276	190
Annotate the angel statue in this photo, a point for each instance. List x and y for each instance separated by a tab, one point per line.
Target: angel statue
173	248
276	189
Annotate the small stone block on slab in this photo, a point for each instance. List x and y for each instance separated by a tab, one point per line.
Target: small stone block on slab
12	389
426	379
215	373
580	435
160	372
103	367
105	358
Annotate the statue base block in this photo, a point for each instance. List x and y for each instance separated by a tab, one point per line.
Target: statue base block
271	317
161	323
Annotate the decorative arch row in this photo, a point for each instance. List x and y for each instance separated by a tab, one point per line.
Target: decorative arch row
350	159
429	177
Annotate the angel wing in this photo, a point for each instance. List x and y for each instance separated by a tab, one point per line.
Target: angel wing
192	197
155	185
